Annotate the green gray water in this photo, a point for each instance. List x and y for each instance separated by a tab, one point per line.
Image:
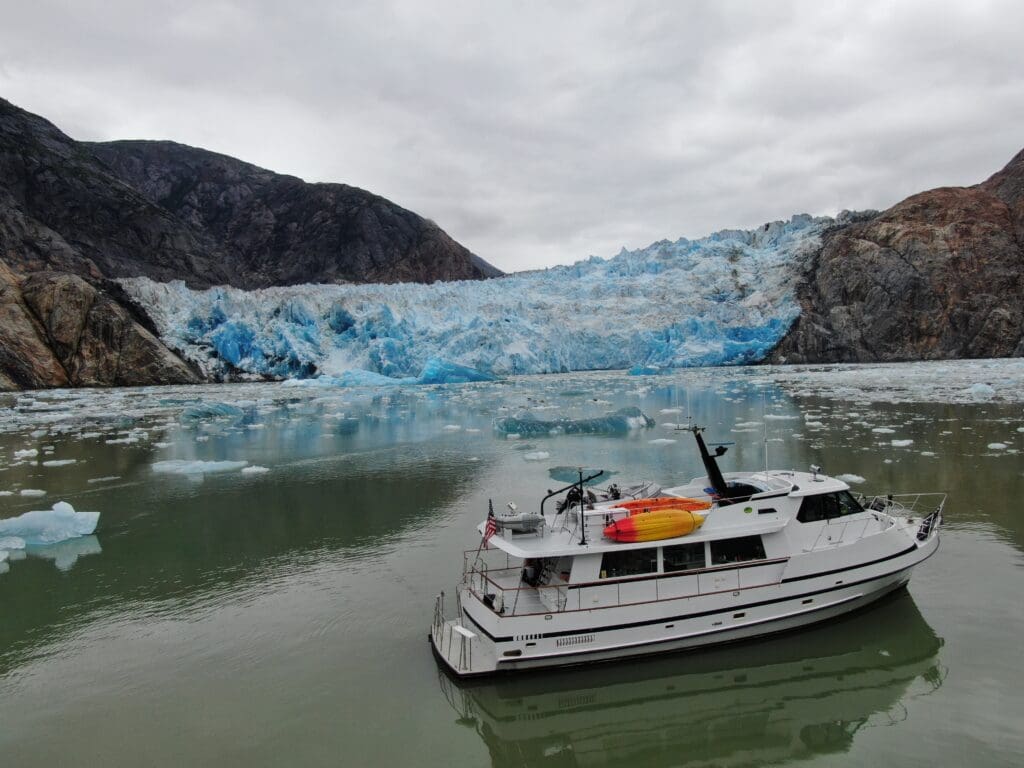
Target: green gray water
281	618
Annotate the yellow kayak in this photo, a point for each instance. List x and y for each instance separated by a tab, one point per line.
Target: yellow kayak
652	526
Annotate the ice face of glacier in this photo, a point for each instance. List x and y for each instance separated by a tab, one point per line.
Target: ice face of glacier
725	299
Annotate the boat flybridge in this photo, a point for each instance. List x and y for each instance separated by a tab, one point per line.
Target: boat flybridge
726	557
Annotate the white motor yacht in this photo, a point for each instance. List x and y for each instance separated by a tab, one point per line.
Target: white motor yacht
725	557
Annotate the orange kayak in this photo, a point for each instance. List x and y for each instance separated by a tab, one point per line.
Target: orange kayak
650	505
652	526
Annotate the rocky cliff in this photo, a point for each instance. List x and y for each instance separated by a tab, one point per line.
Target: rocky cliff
279	230
938	275
74	215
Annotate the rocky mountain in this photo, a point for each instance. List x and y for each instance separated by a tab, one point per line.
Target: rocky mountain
279	230
939	275
74	216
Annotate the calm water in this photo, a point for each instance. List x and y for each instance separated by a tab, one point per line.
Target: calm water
280	618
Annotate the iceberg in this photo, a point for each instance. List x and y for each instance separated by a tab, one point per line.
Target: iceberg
195	414
616	423
50	526
195	467
725	299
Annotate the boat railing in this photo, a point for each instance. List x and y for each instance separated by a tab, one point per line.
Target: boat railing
905	504
503	591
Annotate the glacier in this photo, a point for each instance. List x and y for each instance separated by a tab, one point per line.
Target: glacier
725	299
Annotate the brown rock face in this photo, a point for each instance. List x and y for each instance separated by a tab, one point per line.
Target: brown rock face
937	276
58	330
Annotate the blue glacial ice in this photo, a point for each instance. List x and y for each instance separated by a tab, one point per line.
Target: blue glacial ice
725	299
49	526
616	423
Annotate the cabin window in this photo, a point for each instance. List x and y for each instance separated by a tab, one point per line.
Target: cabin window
629	562
827	506
683	557
737	550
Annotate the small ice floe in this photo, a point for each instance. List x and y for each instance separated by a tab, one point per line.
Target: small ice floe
59	462
927	453
671	410
451	427
814	424
661	441
780	417
850	478
195	467
255	469
27	453
50	526
536	456
747	424
32	492
1020	429
162	444
6	493
981	391
997	446
901	443
883	431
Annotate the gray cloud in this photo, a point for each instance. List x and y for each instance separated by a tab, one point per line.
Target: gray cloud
540	133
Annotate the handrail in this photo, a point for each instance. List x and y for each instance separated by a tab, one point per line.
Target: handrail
566	488
561	600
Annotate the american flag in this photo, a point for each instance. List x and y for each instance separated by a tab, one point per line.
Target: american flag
491	528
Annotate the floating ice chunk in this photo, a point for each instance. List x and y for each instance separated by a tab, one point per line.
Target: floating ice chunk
901	443
661	441
59	462
927	453
814	424
883	431
6	493
195	414
997	446
747	424
572	474
50	526
195	467
848	478
451	427
536	456
671	410
1020	429
254	470
981	391
32	492
8	543
107	479
27	453
780	417
619	422
438	371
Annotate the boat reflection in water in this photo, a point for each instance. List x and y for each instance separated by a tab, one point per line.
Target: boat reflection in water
768	701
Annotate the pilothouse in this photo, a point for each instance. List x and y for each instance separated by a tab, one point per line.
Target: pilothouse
636	571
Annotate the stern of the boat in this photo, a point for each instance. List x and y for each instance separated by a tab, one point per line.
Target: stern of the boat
462	651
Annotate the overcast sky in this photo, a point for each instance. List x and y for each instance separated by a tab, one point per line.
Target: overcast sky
541	133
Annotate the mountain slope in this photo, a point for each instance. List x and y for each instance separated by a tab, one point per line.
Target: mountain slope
279	230
71	222
939	275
